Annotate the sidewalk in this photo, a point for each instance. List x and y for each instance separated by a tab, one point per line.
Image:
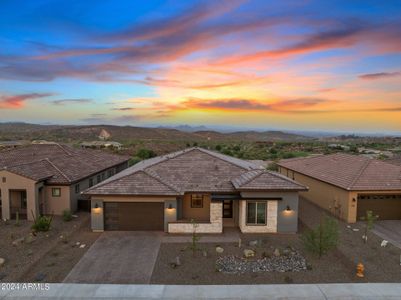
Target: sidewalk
369	291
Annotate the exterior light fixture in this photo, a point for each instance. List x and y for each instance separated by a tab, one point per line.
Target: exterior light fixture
96	205
288	208
170	206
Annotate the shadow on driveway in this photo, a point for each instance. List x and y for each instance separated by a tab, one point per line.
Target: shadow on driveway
118	257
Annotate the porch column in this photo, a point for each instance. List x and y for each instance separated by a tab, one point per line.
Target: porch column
31	203
5	204
170	212
97	212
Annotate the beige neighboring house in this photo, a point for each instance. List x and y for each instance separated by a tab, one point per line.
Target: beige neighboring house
48	178
348	185
216	191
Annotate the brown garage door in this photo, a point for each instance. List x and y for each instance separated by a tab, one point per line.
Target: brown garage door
134	216
387	207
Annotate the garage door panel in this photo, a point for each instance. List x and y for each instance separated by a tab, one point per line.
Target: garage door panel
134	216
387	207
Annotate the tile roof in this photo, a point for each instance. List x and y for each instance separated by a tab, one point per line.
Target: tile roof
189	170
263	180
57	163
350	172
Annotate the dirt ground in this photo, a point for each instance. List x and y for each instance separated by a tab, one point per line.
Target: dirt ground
49	256
382	264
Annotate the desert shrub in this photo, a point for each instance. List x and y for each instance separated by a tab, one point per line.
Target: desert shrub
145	153
272	166
323	238
42	223
67	215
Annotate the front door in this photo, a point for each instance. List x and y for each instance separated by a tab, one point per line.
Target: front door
228	209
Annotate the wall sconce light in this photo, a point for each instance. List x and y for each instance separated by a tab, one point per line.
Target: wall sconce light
97	209
288	208
353	200
170	206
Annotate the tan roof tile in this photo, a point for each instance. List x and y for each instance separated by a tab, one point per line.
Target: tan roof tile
65	164
191	170
351	172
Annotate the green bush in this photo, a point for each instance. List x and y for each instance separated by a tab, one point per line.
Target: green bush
323	238
145	153
134	160
67	215
42	223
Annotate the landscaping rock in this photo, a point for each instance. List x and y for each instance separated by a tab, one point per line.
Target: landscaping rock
204	253
17	242
219	249
384	243
29	253
253	243
40	277
355	229
77	244
235	265
82	246
178	261
249	253
276	252
29	239
2	261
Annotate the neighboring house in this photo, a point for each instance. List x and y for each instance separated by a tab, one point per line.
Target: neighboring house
214	190
48	178
348	185
101	144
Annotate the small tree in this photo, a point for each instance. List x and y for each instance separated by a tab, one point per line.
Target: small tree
195	237
370	220
323	238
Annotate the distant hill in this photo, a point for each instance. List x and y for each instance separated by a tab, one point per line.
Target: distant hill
69	133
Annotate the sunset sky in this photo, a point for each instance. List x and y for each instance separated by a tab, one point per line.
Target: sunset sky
301	65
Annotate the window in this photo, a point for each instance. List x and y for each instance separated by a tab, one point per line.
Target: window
103	175
256	213
23	200
109	174
99	178
56	192
4	179
90	182
196	201
77	188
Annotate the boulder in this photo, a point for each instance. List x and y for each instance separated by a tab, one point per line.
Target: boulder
178	261
29	239
17	242
384	243
40	277
2	261
253	243
219	249
82	246
276	252
249	253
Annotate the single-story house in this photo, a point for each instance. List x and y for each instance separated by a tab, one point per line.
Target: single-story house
214	190
48	178
348	185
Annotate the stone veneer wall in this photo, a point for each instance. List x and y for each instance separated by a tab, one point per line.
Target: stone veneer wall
271	224
215	225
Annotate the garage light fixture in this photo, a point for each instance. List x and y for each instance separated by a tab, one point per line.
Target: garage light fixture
288	208
170	206
96	205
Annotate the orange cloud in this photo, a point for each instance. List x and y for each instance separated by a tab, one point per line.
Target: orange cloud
18	101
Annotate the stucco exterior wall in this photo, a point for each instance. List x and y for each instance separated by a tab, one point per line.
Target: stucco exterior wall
56	205
329	197
197	214
215	225
17	182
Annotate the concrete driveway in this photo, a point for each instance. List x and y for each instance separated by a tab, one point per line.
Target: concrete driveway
118	257
389	230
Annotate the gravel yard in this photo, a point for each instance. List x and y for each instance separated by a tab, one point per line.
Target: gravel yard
48	256
292	265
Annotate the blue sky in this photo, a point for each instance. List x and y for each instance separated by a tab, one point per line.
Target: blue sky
332	65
